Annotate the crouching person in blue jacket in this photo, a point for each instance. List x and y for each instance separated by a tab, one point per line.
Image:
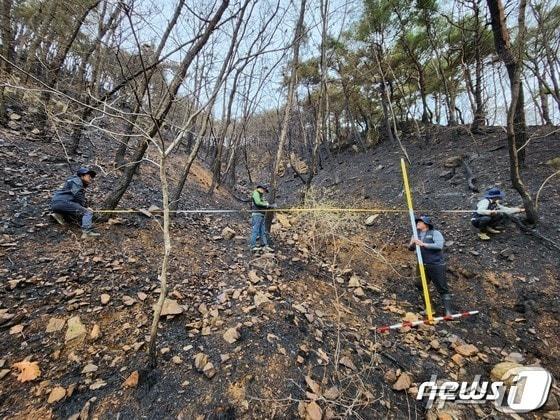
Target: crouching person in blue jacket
70	201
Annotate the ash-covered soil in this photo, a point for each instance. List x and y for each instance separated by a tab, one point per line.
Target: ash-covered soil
263	335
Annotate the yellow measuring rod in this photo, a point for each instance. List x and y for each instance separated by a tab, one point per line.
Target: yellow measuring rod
415	235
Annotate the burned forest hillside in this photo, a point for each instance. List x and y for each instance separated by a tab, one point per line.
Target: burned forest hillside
244	209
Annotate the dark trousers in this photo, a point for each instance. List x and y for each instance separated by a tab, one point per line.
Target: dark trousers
436	274
74	211
482	222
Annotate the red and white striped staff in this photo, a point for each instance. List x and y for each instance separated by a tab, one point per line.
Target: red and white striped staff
424	321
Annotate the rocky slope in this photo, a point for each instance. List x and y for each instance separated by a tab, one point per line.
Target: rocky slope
254	336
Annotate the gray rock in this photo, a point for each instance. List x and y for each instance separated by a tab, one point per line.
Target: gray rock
515	357
228	233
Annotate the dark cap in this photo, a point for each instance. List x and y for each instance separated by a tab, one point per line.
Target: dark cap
494	193
426	219
84	171
263	186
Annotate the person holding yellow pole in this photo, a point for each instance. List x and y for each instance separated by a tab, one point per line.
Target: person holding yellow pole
431	243
421	270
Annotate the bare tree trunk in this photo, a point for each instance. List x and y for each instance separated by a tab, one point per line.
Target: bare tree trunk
152	354
102	29
547	89
87	110
54	69
452	119
7	51
249	108
421	78
176	195
468	85
298	35
552	71
320	119
351	118
549	55
91	86
422	86
437	108
144	85
388	117
545	112
112	200
217	164
534	98
479	119
225	70
516	131
452	103
230	172
246	161
41	35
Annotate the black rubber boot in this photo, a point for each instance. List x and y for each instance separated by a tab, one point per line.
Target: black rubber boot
447	304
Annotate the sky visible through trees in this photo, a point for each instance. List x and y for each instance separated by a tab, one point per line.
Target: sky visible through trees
343	17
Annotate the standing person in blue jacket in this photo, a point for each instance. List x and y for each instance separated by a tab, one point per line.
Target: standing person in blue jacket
258	228
70	201
431	243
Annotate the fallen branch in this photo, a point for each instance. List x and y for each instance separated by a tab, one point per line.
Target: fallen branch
542	186
495	149
471	179
7	323
392	359
533	232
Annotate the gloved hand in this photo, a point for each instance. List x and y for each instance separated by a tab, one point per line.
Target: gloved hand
417	242
273	206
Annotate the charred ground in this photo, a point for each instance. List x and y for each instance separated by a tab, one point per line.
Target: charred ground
304	316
